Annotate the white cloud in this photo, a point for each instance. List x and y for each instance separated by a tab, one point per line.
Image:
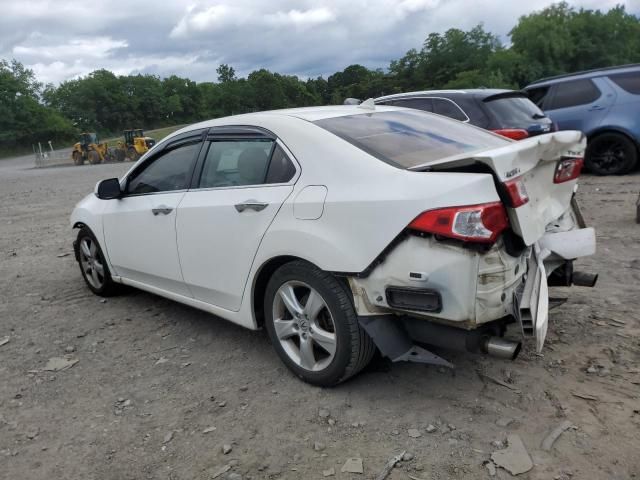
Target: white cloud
304	37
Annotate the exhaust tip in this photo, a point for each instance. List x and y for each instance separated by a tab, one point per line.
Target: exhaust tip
501	348
583	279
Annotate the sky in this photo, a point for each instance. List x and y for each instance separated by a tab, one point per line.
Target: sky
64	39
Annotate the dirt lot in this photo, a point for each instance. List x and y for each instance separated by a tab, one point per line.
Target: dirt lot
153	376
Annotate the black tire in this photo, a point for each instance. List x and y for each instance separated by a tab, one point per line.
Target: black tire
77	158
354	348
119	155
611	154
108	287
132	154
94	157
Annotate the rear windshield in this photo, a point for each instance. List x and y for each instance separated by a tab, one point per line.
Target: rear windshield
514	111
410	138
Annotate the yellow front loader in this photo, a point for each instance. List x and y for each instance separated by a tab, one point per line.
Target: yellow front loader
90	149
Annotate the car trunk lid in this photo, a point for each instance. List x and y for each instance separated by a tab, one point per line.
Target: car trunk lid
533	162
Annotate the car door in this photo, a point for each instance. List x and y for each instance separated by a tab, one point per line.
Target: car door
242	180
139	228
579	104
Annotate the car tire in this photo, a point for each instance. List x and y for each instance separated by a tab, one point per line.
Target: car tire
611	154
93	266
330	315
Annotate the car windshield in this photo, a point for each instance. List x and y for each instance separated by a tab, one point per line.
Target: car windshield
409	138
514	111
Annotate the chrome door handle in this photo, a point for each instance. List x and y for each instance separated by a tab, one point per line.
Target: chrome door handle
161	209
251	205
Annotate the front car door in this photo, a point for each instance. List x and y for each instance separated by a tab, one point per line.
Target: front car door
241	182
139	228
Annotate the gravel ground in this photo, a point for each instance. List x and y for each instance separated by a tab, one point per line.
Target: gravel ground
159	388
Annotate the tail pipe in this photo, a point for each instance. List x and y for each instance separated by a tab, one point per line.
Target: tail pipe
584	279
484	341
501	348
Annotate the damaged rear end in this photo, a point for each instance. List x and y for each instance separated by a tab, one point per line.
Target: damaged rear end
459	275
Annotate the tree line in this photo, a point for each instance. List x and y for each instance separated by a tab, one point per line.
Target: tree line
556	40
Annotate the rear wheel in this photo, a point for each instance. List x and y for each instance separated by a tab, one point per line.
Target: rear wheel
94	157
611	154
93	266
132	154
313	325
77	158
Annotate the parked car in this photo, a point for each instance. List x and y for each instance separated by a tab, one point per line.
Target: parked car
345	229
605	105
507	112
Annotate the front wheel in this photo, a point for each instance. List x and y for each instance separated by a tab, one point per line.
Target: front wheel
611	154
313	325
93	266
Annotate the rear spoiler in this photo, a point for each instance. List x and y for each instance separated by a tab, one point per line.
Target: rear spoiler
352	101
507	94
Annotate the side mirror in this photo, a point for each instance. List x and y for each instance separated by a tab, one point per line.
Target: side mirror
108	189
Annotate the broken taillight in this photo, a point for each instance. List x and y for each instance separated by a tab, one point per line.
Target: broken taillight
568	169
473	223
517	192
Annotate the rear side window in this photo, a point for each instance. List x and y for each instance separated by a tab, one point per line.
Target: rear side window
417	103
574	93
629	82
473	110
281	168
448	108
231	163
410	138
514	110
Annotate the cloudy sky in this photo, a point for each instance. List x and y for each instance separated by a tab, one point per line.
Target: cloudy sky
62	39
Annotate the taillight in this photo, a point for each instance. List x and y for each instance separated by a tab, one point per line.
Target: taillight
568	169
517	192
474	223
512	133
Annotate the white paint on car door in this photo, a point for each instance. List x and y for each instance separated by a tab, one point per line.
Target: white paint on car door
220	225
140	227
218	243
142	245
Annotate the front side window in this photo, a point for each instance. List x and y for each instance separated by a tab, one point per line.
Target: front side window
168	172
410	138
443	106
574	93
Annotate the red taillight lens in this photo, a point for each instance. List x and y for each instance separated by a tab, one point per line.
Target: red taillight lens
512	133
568	169
517	192
474	223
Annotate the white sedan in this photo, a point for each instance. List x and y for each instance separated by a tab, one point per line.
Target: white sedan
347	229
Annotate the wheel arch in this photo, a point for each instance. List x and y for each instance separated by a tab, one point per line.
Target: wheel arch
610	129
262	277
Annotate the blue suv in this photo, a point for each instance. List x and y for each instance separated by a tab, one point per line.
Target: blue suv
605	105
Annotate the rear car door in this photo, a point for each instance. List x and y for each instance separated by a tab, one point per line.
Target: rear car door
242	179
579	104
139	228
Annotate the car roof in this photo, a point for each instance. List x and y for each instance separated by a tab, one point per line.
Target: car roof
476	92
598	72
310	114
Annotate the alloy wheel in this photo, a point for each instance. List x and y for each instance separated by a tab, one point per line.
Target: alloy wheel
91	262
304	326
